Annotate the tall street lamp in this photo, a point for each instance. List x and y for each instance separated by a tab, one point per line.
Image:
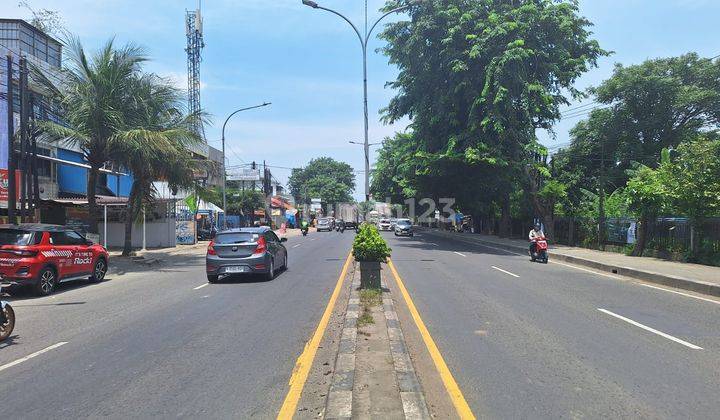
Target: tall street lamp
363	43
223	157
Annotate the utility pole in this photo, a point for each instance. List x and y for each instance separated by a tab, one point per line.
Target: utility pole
12	190
601	199
23	140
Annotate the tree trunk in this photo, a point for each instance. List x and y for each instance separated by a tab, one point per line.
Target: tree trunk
127	246
504	228
93	209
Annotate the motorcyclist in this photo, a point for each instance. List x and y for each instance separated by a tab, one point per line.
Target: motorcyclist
304	226
341	226
535	233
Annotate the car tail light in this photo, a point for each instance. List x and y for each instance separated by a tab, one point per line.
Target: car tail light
261	246
211	248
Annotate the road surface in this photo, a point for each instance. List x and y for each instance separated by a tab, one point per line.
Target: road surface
167	344
527	340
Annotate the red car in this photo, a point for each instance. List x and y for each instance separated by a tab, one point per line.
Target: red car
42	256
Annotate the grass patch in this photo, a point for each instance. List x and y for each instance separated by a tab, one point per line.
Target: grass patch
368	299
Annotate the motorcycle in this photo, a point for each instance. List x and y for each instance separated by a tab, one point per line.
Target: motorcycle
7	319
540	250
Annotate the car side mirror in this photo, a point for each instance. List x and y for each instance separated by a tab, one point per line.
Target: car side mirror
283	239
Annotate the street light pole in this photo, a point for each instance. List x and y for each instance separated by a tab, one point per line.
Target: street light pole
223	157
363	43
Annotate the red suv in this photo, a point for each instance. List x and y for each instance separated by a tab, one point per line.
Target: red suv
42	256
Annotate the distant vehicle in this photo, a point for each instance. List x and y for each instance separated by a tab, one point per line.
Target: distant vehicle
384	224
403	227
351	225
325	223
42	256
539	251
255	250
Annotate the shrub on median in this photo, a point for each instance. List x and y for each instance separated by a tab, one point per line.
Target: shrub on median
369	245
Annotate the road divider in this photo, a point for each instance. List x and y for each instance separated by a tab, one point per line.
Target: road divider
31	356
652	330
451	386
504	271
304	362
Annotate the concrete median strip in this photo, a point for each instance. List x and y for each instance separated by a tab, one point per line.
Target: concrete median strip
399	393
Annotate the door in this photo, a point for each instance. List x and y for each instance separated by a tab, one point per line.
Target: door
66	254
277	250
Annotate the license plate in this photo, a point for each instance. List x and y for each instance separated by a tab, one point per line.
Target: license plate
236	269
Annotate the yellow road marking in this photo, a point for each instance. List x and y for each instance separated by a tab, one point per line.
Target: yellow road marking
456	395
305	361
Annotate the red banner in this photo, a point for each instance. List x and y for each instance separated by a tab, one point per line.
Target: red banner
4	184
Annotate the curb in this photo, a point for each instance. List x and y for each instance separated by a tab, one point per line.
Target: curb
649	276
411	393
340	398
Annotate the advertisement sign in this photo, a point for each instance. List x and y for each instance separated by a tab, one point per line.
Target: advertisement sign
4	184
185	232
3	126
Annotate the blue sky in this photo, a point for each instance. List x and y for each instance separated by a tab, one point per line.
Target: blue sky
308	63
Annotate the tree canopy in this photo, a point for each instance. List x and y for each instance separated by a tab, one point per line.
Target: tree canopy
325	178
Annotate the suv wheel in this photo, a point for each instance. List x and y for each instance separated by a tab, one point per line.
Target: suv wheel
99	270
271	272
47	280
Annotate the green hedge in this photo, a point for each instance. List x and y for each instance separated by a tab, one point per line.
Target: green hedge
369	245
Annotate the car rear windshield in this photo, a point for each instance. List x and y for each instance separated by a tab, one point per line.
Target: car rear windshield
16	237
323	220
235	238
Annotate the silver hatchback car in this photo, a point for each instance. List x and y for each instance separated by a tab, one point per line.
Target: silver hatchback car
245	251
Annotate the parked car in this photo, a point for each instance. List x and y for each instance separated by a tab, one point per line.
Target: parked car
326	224
42	256
384	224
393	222
255	250
403	227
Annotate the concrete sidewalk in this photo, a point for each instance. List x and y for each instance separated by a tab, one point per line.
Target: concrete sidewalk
694	277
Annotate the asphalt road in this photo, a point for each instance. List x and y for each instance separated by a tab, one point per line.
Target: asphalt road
167	344
527	340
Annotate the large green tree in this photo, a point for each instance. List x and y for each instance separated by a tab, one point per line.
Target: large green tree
477	78
153	145
323	178
96	96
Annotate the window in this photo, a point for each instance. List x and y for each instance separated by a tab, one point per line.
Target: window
234	238
272	237
66	238
18	237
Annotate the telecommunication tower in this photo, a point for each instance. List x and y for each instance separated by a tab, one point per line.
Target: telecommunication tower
195	44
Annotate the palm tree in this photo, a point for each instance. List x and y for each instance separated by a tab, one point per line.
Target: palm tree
154	146
95	96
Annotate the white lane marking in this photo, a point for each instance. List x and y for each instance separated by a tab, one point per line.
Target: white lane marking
313	239
206	296
295	246
201	286
652	330
30	356
433	244
506	272
462	255
681	293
